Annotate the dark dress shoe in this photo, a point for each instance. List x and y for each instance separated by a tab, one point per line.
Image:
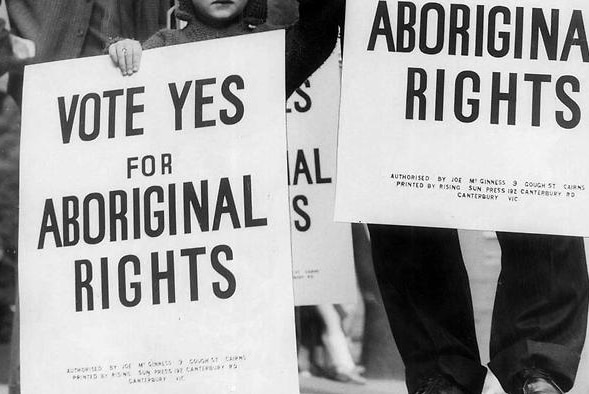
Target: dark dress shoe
538	382
438	384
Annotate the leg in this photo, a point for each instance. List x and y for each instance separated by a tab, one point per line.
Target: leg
540	313
339	364
427	297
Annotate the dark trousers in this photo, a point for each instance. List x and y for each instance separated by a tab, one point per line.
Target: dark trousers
539	316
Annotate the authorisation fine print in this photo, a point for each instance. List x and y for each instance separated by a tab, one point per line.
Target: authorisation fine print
466	115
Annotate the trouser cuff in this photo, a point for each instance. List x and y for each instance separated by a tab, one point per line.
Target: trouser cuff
557	360
467	373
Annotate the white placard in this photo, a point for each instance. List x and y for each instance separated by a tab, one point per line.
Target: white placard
154	242
323	258
468	115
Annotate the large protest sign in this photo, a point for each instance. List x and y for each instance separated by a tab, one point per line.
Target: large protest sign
469	115
323	259
154	242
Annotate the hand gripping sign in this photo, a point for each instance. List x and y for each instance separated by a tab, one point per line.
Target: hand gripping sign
154	240
468	115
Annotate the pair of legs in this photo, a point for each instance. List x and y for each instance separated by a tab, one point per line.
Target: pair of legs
539	316
321	326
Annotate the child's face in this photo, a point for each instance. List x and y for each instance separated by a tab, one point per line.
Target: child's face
219	11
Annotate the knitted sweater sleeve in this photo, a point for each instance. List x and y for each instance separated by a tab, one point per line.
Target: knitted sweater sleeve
310	41
157	40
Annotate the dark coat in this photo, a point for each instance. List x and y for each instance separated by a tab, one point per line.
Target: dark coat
58	27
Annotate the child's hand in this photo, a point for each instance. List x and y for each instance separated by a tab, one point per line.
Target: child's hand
126	55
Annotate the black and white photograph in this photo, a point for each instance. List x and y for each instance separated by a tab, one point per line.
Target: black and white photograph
294	197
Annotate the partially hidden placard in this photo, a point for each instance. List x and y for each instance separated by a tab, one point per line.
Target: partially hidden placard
323	258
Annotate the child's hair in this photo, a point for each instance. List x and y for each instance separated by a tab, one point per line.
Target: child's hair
255	12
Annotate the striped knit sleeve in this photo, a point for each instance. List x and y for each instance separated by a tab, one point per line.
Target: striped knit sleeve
157	40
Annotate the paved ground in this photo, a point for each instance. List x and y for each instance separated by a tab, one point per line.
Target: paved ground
313	385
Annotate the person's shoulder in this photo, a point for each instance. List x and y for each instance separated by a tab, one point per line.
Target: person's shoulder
164	38
267	27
